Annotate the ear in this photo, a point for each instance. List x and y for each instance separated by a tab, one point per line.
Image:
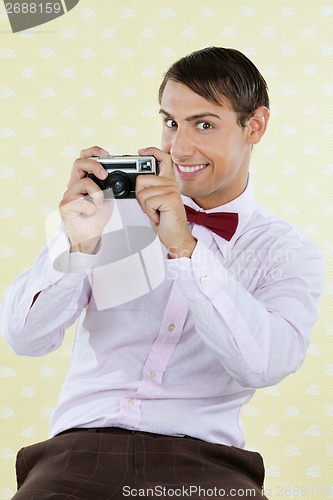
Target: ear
257	125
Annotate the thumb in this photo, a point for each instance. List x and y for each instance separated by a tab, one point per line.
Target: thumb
164	160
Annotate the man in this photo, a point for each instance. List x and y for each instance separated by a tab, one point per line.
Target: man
156	385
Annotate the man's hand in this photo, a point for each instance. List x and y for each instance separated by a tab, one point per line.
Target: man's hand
83	208
159	197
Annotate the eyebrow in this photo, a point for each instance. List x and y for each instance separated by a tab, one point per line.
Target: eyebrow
192	117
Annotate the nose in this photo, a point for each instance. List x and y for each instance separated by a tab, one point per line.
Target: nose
182	146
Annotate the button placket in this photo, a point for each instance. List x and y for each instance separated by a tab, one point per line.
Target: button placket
167	339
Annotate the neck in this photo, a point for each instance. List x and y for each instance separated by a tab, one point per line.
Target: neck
223	198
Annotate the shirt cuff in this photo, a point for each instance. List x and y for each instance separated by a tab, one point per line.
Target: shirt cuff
200	274
63	261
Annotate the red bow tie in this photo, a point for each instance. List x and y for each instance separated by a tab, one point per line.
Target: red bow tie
222	223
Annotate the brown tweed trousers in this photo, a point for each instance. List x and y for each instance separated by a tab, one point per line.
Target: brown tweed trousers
111	463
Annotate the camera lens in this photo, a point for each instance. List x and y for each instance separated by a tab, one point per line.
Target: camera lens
119	183
118	186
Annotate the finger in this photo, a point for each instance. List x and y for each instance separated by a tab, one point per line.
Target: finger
85	187
82	166
94	151
151	209
166	168
154	206
145	194
148	182
79	206
164	159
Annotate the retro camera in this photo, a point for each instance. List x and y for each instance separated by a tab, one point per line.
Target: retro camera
123	171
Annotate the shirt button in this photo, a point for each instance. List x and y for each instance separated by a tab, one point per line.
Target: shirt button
130	402
172	327
152	373
203	280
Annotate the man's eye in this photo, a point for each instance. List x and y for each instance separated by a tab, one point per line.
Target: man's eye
204	126
171	123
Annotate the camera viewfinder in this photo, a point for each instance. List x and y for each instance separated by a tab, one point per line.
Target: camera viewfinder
145	166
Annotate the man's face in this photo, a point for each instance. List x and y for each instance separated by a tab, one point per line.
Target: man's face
210	151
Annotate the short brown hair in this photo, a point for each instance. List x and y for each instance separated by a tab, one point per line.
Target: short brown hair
216	72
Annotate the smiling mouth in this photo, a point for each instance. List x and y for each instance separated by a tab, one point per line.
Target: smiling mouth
189	170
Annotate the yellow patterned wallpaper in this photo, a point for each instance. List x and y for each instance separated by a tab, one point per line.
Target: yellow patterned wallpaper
91	76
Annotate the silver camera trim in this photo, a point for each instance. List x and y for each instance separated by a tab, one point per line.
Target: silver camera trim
120	162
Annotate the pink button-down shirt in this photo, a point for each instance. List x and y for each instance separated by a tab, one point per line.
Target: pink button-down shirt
184	358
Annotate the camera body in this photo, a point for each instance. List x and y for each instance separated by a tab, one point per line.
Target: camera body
123	171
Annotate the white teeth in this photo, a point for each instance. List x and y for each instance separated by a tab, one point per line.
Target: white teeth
191	169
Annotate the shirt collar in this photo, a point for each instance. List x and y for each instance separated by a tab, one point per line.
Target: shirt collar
244	205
